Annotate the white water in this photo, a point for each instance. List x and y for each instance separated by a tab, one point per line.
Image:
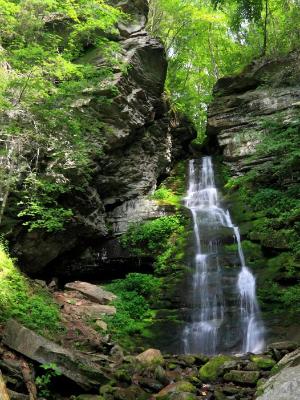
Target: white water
211	315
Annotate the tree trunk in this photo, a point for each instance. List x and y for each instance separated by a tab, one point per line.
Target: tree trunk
264	51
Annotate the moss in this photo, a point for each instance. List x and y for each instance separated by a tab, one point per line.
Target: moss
211	370
263	362
244	377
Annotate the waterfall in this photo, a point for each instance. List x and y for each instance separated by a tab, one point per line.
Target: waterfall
212	318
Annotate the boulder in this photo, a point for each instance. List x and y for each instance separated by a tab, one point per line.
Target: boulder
75	366
213	368
242	377
281	346
263	362
150	356
177	387
285	385
93	292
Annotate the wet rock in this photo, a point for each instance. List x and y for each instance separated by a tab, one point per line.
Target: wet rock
93	292
74	366
150	356
243	377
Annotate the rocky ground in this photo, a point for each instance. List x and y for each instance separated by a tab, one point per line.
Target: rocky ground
92	367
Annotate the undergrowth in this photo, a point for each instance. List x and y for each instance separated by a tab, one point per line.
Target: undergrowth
30	305
269	193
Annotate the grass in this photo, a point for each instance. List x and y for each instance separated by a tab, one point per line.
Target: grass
30	305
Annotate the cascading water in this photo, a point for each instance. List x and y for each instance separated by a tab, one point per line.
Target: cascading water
224	314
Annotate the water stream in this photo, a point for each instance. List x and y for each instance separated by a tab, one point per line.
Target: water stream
223	314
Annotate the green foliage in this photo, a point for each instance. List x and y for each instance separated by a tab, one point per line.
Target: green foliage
30	305
150	236
40	208
43	93
208	40
271	192
44	381
135	295
165	196
143	284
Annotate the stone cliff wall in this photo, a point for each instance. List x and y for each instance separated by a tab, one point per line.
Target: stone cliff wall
253	123
266	89
142	141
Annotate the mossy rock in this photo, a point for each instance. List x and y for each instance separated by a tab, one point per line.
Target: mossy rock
187	359
107	389
263	362
122	375
177	388
182	396
90	397
243	377
212	369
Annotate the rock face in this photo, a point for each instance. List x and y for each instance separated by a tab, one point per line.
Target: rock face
286	383
141	143
253	122
76	367
266	89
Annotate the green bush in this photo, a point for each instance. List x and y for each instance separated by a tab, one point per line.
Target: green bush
166	196
31	306
143	284
135	294
151	236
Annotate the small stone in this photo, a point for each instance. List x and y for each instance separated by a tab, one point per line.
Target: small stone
41	283
117	354
101	324
251	366
53	285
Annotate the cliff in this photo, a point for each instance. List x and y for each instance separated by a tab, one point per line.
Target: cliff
141	142
253	123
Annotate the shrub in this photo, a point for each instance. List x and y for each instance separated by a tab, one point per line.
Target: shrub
152	235
166	196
